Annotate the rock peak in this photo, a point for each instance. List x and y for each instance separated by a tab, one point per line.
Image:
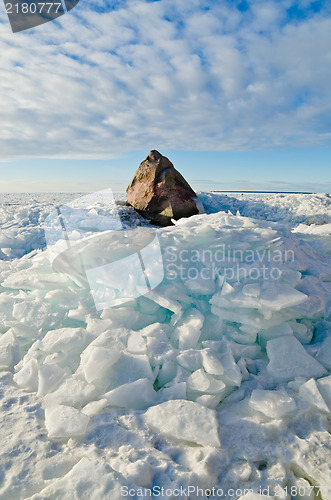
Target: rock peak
159	192
155	158
154	154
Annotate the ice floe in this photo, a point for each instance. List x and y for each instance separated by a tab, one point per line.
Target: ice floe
217	377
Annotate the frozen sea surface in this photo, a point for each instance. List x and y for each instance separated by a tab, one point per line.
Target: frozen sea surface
220	377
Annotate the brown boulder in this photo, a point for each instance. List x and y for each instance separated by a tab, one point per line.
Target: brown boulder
159	192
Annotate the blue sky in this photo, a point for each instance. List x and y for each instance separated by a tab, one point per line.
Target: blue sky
236	94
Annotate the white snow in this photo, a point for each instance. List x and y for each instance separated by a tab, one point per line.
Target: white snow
189	332
324	353
256	496
64	421
289	359
274	404
218	377
310	393
324	386
184	421
137	395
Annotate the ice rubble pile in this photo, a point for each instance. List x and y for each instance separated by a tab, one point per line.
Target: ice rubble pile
290	208
21	221
22	218
22	215
244	306
309	215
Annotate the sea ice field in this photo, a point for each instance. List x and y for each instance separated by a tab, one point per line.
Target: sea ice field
214	381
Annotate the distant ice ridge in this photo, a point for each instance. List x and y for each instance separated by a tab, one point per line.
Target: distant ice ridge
290	208
22	215
219	377
309	215
22	218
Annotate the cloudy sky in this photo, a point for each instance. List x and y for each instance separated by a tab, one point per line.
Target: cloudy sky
236	93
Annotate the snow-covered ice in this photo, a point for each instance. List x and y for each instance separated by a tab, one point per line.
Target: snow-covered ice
274	404
184	421
289	359
217	377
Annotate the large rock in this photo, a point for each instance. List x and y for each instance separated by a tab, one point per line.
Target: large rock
159	192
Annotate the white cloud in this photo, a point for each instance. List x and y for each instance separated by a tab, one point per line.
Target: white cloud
165	74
